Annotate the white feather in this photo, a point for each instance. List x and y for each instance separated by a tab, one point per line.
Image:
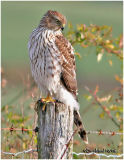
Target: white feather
67	98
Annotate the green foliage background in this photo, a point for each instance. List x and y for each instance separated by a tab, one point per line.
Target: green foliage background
18	21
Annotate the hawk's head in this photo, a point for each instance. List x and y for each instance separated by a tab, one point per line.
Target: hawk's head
53	20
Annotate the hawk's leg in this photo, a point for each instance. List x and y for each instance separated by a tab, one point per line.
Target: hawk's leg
46	100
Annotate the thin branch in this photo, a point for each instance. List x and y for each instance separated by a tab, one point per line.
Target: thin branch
103	107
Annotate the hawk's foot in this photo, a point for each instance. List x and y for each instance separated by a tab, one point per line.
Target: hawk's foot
43	102
46	100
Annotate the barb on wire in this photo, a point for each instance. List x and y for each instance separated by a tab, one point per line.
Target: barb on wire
103	107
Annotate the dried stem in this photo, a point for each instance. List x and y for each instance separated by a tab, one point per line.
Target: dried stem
103	107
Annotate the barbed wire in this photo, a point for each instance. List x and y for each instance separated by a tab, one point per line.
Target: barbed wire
65	146
22	129
74	153
99	132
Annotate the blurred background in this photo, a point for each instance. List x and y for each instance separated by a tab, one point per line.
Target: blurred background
18	21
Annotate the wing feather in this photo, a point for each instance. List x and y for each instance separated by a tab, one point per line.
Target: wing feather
68	75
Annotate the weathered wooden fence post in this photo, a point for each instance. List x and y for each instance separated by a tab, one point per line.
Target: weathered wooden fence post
55	128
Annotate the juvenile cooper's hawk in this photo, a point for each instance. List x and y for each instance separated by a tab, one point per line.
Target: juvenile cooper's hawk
53	64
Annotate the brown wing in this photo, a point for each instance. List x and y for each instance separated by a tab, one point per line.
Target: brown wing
68	75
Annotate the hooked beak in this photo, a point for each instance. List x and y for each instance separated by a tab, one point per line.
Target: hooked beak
62	28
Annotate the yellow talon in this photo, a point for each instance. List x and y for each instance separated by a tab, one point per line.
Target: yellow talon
47	100
44	106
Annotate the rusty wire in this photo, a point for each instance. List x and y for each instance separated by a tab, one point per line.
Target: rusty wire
98	132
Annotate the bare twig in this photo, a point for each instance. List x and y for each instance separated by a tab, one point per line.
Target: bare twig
103	107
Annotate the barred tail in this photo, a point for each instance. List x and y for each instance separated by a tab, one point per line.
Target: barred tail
78	123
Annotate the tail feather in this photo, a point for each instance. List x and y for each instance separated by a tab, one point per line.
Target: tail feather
78	123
